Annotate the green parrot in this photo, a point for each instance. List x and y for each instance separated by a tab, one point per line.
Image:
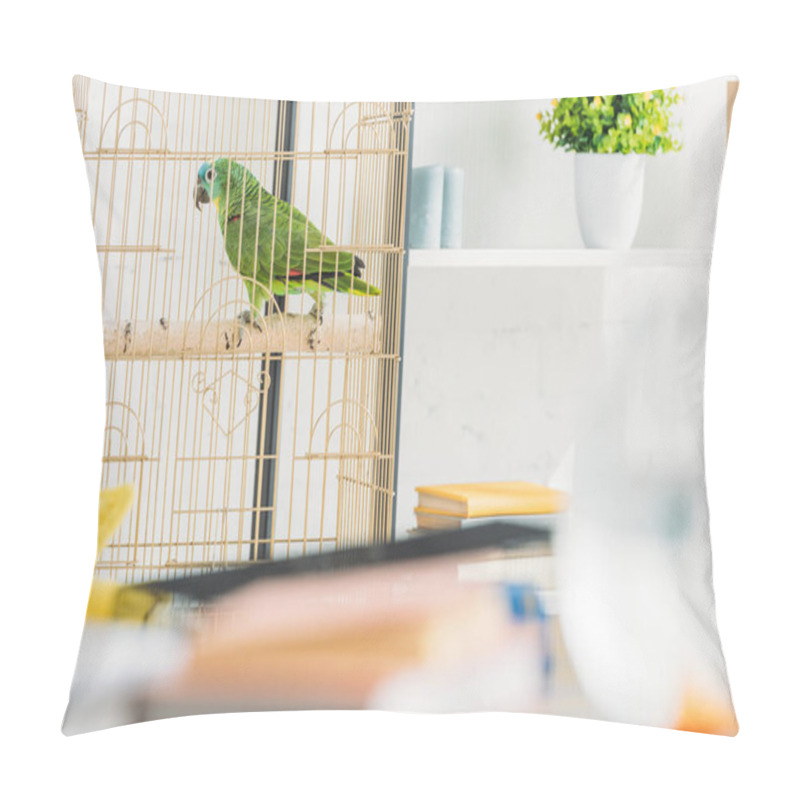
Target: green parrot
271	244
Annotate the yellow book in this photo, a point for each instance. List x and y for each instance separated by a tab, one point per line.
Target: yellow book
467	500
434	520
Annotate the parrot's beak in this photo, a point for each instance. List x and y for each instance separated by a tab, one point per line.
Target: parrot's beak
200	194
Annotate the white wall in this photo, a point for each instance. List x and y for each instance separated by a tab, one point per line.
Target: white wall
495	363
504	365
519	189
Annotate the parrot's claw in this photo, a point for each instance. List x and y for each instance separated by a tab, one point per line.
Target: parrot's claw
246	318
313	339
315	316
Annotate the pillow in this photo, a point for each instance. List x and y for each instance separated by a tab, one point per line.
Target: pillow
527	283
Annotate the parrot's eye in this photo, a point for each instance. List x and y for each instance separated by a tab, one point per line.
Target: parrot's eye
209	175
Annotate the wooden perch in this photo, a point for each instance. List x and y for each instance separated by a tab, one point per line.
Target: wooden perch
141	339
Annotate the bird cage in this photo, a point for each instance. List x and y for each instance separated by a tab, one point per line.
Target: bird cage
246	439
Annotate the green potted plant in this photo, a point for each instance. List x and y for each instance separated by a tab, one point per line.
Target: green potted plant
611	135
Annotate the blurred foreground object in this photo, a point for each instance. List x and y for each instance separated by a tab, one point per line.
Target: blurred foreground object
109	599
113	508
115	663
448	623
330	640
633	555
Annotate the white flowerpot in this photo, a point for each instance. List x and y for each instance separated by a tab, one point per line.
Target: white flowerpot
608	194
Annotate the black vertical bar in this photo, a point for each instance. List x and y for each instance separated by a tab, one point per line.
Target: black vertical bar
269	404
391	381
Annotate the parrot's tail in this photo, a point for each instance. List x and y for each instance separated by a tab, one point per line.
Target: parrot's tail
346	279
350	284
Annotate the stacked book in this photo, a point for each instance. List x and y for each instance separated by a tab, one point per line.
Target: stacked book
454	506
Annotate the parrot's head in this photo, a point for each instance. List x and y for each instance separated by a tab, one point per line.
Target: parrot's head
205	181
215	180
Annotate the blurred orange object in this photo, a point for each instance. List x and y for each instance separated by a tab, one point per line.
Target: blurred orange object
702	714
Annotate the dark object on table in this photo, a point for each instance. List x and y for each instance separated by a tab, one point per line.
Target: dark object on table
206	586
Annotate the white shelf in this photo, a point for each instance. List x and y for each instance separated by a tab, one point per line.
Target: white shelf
559	258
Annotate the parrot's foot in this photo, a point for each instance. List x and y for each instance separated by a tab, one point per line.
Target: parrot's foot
313	339
315	317
312	324
245	320
316	314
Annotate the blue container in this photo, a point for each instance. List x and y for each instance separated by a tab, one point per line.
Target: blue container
453	207
427	194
